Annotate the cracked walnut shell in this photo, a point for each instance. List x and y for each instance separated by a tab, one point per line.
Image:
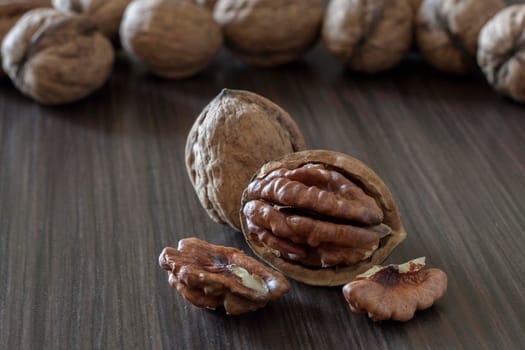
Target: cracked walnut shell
210	276
174	38
320	217
269	32
501	52
395	291
447	32
368	35
233	136
55	57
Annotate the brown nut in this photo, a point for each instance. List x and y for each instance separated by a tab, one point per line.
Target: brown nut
501	52
11	12
368	36
175	39
395	291
55	57
447	32
210	276
233	136
320	217
269	32
106	15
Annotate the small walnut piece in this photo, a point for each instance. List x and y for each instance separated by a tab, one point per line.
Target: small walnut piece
55	57
174	38
106	15
210	276
368	35
447	31
320	217
501	53
395	291
233	136
269	32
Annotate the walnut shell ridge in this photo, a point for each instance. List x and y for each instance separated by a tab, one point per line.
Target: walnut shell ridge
233	136
55	57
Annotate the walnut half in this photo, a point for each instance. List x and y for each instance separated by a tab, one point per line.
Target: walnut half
210	276
395	291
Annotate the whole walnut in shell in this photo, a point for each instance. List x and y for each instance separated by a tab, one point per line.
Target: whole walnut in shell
233	136
501	52
11	12
55	57
269	32
368	35
175	39
106	15
447	32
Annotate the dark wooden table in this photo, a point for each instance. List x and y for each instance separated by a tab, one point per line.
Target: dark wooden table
90	194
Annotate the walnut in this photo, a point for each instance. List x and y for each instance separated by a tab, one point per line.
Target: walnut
175	39
106	15
11	12
55	57
395	291
368	35
233	136
447	31
501	53
320	217
269	32
210	276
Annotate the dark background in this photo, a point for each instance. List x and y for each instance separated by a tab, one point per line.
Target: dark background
90	194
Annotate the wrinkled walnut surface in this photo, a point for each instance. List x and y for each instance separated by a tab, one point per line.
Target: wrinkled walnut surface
105	14
175	39
233	136
269	32
55	57
368	35
320	217
395	291
210	276
447	31
501	53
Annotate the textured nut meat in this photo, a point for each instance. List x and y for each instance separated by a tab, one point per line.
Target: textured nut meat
269	32
11	12
368	35
106	15
501	53
210	276
233	136
395	291
175	39
55	57
320	217
447	31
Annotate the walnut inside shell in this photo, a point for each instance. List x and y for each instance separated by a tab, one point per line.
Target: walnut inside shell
56	57
501	52
447	31
233	136
320	217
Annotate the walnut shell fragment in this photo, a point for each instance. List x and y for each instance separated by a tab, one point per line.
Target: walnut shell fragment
501	52
210	276
320	217
447	32
269	32
55	57
395	291
106	15
368	35
175	39
233	136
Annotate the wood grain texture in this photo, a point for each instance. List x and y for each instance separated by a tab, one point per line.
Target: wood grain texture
90	194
